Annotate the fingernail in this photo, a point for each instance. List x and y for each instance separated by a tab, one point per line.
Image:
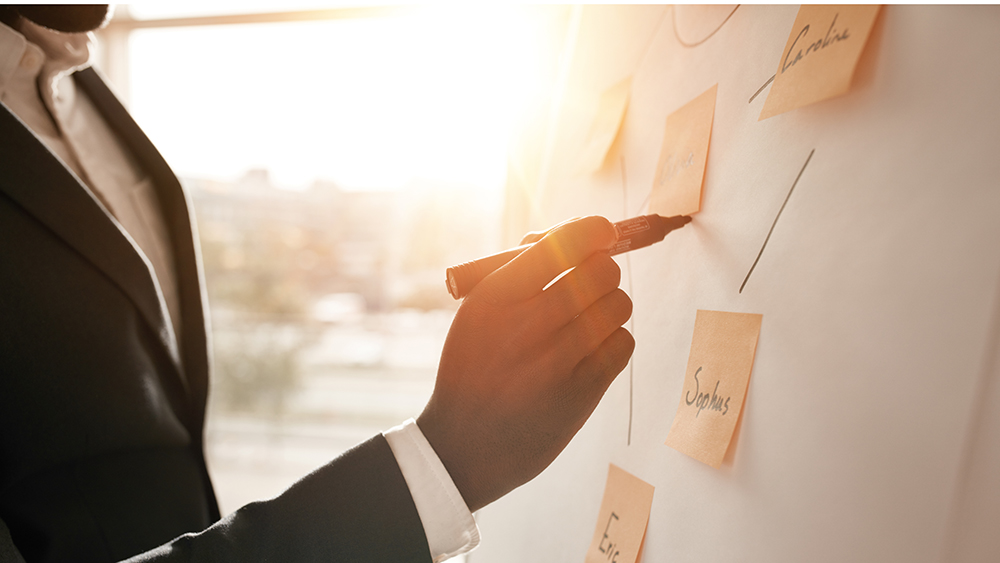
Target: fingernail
615	235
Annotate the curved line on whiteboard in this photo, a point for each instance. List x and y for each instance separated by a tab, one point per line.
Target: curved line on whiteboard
704	39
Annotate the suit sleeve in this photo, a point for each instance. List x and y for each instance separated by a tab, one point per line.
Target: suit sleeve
356	508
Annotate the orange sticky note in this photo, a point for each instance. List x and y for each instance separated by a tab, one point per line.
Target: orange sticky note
621	522
820	56
604	129
681	168
715	385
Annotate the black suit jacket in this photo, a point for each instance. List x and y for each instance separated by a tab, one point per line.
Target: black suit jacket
101	418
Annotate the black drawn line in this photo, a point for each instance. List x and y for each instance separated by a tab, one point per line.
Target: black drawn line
704	39
628	269
795	183
761	89
649	196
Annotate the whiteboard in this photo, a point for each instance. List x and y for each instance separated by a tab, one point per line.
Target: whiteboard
871	429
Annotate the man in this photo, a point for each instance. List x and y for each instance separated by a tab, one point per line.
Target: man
104	355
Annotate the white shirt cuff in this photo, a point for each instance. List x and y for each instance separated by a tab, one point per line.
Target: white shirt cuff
450	528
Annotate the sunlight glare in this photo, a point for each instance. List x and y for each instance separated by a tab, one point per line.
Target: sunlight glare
368	103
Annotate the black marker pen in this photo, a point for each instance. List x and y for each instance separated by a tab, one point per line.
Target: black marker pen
637	232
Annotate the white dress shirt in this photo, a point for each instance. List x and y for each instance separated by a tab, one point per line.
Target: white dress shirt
450	528
36	85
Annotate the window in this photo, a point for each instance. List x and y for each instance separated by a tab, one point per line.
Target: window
339	160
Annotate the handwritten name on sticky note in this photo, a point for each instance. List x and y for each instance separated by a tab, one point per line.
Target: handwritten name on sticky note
681	168
604	129
718	370
820	56
621	522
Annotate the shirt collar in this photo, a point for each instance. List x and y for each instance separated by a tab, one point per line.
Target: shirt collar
48	53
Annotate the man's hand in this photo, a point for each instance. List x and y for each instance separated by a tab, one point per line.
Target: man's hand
523	368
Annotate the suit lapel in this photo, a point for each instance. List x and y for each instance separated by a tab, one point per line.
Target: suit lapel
39	182
190	279
176	209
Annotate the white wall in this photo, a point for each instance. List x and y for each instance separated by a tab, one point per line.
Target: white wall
869	430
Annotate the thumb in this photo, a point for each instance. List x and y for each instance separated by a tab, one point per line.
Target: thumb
562	248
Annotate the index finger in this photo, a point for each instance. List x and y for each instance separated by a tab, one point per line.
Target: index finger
534	236
560	249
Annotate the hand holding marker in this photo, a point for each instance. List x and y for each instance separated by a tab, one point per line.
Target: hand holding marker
637	232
